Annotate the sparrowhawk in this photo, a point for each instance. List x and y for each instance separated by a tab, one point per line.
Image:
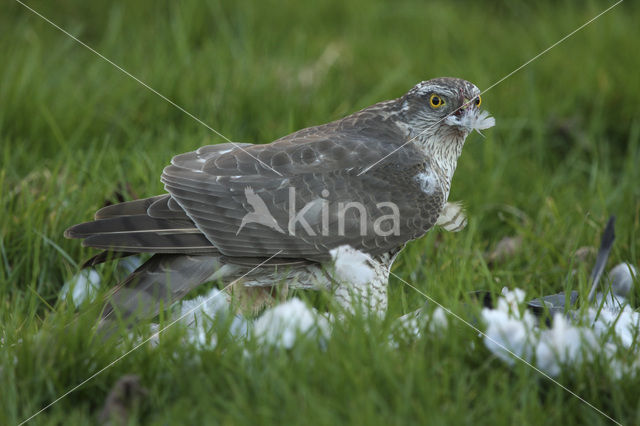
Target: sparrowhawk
372	180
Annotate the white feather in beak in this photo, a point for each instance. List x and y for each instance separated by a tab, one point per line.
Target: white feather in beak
471	119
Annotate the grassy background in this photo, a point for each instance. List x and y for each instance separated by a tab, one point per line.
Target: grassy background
565	154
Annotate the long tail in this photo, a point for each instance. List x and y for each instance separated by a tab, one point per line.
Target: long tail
159	282
153	225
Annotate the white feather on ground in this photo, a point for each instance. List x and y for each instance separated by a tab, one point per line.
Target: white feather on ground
200	314
607	328
413	325
83	287
281	325
509	326
611	324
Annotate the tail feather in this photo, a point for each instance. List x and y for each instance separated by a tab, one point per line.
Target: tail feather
141	233
129	224
135	207
161	281
166	208
105	256
154	242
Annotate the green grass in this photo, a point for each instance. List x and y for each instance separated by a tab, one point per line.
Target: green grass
565	155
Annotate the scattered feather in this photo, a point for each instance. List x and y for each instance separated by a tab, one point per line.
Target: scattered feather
281	325
621	278
512	330
413	325
201	313
83	287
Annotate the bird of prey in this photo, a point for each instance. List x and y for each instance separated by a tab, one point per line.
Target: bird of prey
372	180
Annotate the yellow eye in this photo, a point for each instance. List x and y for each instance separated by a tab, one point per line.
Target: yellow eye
478	101
436	101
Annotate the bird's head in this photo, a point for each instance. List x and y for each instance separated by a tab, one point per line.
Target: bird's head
444	108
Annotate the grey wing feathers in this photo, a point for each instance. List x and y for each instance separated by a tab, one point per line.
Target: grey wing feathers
210	187
217	205
208	199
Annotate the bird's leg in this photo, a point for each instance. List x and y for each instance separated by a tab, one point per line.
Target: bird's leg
251	300
365	299
364	296
359	281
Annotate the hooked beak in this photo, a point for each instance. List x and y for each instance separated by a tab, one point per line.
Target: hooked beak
467	106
